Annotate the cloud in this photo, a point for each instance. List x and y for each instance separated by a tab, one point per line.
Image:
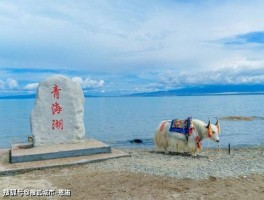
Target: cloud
11	83
31	86
8	84
2	84
123	35
88	83
228	75
183	42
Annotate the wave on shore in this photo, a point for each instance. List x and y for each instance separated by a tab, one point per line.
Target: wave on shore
241	118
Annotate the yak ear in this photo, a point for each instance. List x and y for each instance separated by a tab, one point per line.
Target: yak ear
210	133
217	124
209	124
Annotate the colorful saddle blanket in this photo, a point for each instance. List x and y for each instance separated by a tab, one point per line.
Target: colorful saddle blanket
181	126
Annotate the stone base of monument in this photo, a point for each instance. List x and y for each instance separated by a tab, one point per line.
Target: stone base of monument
7	168
25	153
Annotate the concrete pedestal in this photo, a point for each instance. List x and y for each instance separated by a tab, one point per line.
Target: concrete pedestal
26	153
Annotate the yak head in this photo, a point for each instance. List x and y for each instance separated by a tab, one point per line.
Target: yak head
213	130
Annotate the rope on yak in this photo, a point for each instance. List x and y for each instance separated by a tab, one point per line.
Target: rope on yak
207	144
219	149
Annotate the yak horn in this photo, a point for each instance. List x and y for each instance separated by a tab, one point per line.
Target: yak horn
217	121
209	123
217	124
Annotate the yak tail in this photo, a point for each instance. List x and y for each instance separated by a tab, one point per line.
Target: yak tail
161	139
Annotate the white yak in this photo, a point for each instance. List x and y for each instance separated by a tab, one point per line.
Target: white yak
177	142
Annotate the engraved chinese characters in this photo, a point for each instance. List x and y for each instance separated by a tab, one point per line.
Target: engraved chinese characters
57	117
56	109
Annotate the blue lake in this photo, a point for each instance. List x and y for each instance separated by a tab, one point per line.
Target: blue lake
117	120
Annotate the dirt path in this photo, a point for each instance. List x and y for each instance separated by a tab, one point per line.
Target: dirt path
141	186
84	184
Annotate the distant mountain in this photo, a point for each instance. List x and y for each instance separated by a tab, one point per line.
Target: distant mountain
26	96
185	91
31	96
208	90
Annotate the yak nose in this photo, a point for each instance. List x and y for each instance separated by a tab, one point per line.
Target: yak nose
217	140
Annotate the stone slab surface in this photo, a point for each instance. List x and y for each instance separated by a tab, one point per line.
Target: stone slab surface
57	117
21	154
7	168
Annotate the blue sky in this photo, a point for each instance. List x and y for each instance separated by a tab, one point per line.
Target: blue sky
120	47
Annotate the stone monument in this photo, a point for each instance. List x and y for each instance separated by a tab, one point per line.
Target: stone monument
57	124
57	117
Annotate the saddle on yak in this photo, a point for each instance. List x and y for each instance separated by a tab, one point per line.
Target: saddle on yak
182	126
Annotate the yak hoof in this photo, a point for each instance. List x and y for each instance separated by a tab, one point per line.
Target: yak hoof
194	154
166	151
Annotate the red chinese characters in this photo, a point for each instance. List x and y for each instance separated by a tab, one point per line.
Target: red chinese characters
56	92
56	108
57	124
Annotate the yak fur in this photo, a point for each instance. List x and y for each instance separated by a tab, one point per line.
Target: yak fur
176	142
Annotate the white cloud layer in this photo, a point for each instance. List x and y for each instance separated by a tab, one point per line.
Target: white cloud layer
228	75
31	86
174	39
8	84
128	35
11	83
88	83
2	84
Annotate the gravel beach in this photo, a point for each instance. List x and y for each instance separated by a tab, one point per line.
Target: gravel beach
149	174
218	163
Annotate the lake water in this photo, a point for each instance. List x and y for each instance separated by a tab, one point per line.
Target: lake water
117	120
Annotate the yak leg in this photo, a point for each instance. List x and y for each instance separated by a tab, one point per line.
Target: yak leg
194	154
165	150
